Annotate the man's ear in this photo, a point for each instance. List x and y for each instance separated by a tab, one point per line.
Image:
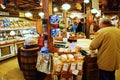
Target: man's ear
102	25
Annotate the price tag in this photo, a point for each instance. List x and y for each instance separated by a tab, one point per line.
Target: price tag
73	66
65	67
79	66
75	72
58	69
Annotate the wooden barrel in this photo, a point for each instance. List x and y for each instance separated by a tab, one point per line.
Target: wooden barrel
27	62
90	68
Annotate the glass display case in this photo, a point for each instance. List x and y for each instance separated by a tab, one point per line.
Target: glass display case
6	51
18	45
13	32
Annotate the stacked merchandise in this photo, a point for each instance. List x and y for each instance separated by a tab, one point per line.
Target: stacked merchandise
67	66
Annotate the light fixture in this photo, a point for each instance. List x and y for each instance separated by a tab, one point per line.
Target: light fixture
40	3
12	33
86	1
55	9
41	14
2	6
66	6
28	14
94	11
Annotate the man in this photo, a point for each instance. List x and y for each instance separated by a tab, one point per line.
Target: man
80	27
107	41
74	26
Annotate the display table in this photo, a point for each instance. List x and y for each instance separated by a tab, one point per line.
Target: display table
89	68
67	66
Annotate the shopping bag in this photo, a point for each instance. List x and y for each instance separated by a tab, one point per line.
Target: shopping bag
44	63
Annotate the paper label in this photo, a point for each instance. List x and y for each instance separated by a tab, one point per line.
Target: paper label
79	66
75	72
65	67
73	66
58	69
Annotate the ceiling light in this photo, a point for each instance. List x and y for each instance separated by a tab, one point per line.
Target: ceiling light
40	3
2	6
41	14
12	33
86	1
28	14
66	6
94	11
55	9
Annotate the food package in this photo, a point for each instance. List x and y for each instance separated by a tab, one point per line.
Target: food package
79	77
57	68
78	56
43	63
65	68
55	77
80	65
63	57
61	50
75	72
70	57
56	61
57	65
72	67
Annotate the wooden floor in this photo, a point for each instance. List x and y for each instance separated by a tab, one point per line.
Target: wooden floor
9	70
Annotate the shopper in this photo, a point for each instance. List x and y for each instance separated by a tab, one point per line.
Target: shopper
107	42
96	26
73	28
80	27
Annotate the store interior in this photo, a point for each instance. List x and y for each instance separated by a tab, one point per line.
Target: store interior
26	23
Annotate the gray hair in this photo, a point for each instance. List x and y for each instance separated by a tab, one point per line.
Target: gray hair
105	21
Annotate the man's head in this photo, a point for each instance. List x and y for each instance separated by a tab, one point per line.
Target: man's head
104	22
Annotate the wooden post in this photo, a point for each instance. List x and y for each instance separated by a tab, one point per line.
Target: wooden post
47	9
88	14
39	26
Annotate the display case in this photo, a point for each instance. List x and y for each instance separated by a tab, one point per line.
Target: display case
18	45
6	51
13	32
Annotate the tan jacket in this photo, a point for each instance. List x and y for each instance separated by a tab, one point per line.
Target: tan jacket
107	41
